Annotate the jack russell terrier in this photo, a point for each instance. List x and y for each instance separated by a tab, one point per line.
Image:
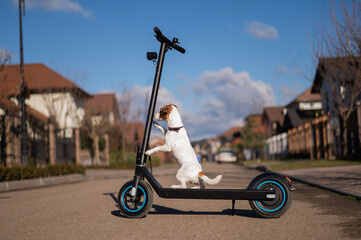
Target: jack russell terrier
177	142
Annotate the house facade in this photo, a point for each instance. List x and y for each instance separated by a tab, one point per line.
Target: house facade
49	93
59	101
338	81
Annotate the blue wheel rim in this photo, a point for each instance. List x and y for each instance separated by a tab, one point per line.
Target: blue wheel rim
123	200
283	201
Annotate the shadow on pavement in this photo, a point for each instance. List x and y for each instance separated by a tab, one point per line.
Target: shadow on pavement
161	210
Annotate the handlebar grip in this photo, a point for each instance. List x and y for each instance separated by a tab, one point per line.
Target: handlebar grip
162	38
179	48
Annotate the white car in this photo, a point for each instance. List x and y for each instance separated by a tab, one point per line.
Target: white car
225	155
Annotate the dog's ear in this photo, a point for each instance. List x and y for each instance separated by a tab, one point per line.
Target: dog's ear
165	111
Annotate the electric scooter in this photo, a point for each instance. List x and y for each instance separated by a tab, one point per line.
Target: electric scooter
269	194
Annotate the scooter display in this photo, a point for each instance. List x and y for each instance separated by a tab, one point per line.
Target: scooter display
269	194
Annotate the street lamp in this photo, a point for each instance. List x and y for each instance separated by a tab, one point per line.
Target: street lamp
24	146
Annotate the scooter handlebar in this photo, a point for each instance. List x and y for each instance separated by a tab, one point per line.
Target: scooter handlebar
162	38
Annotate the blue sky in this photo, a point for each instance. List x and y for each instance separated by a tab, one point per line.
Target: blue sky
240	55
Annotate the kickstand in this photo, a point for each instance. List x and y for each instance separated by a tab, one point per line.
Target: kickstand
233	202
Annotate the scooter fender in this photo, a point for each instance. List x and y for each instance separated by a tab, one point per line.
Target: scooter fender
271	175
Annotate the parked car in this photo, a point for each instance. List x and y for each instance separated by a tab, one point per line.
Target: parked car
225	155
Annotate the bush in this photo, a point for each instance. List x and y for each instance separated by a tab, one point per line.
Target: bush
116	160
29	172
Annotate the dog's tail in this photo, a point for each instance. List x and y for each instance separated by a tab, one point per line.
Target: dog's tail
208	180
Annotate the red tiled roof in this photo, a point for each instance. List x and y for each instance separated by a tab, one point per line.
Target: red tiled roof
38	78
101	103
230	132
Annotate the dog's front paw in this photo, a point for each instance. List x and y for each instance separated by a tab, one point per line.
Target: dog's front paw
149	152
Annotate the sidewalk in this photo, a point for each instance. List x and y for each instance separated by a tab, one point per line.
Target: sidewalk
344	180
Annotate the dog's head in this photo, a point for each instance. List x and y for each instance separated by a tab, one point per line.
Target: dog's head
165	112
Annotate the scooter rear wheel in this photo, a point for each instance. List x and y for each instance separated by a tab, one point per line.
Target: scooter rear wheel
138	207
276	207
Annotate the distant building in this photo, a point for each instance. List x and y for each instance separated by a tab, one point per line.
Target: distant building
302	109
255	121
273	119
134	135
230	137
103	107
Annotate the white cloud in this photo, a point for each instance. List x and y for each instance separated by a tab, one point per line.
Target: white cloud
57	5
261	30
222	100
226	97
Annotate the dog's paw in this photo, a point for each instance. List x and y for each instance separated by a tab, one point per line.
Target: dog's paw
149	152
175	186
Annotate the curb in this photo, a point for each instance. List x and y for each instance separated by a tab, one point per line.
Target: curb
41	182
346	194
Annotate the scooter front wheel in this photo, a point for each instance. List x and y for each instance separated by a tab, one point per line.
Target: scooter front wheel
276	207
140	205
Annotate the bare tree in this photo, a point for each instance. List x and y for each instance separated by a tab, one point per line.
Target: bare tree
124	102
5	58
338	53
94	125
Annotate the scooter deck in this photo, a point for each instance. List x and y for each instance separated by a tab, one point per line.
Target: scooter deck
221	194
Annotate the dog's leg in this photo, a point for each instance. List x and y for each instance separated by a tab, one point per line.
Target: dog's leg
198	184
155	124
162	148
183	181
201	184
182	185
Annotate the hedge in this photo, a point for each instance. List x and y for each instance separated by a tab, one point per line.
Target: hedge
28	172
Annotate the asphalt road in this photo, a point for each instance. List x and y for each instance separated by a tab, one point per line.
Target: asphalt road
87	210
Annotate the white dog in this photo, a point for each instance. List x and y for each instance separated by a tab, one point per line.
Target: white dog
177	142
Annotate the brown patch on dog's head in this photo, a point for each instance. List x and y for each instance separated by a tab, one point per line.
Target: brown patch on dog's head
165	111
201	174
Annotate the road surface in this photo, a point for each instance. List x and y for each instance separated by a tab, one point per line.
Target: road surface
88	210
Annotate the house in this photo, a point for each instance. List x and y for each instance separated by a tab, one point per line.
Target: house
207	148
302	109
273	119
54	97
134	134
230	137
49	93
103	106
252	137
338	80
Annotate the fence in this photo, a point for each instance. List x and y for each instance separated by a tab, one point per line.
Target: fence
277	146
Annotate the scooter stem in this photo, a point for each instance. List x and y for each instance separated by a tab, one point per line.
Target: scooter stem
153	99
